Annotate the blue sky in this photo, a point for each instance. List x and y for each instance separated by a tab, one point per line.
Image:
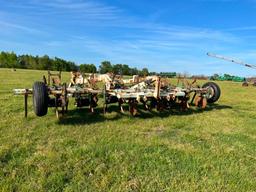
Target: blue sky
163	35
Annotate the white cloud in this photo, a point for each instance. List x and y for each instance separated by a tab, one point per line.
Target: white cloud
8	25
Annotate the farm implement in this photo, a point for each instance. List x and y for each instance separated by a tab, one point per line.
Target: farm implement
236	79
53	93
152	92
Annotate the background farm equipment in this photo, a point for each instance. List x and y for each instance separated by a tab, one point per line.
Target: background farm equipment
152	92
227	77
245	81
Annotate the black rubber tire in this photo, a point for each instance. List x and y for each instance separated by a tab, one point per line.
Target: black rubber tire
40	99
217	91
246	84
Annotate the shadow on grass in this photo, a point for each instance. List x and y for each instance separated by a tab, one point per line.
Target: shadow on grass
175	110
83	116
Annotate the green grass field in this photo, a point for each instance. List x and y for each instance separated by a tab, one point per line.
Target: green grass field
211	150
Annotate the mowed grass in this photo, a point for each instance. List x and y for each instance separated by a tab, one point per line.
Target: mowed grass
211	150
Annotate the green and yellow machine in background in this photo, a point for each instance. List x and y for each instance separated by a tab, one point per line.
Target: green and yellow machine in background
227	77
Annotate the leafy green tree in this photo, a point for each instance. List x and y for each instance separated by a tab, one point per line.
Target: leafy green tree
12	60
168	74
44	62
3	60
105	67
126	70
144	72
72	66
58	64
118	69
134	71
88	68
8	60
23	62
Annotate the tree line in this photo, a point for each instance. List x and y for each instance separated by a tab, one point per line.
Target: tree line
12	60
121	69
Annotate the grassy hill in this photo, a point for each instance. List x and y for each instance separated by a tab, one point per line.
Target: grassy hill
211	150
